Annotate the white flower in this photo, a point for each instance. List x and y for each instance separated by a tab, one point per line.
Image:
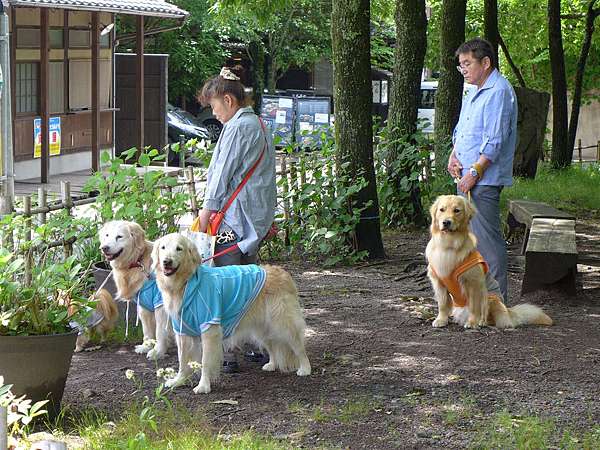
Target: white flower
150	342
129	374
160	373
194	365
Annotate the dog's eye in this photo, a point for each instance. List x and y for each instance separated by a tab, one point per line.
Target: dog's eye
162	247
118	237
442	209
179	249
456	210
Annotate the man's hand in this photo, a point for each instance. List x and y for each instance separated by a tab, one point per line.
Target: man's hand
204	216
467	182
454	166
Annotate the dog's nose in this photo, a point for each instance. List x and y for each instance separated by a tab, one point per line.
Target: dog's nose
105	248
446	223
167	262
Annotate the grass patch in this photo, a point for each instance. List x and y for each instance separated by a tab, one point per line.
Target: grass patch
351	411
454	413
523	432
142	428
575	189
117	336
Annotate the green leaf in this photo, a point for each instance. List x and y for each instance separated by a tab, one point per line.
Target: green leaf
144	160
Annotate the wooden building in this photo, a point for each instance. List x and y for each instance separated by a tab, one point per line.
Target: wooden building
62	66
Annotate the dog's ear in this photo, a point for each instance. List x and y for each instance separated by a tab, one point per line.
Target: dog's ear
137	234
470	210
195	257
155	256
433	212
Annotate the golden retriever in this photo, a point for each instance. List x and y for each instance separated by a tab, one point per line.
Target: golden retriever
273	320
476	300
103	322
125	247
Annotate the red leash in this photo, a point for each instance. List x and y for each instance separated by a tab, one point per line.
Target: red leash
221	253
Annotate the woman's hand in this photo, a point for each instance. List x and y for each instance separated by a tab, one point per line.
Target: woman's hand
204	216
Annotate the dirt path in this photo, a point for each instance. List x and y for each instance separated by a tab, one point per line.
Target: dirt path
382	376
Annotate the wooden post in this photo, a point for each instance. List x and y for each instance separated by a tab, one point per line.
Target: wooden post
95	91
65	192
44	93
286	201
293	179
140	82
6	207
42	203
28	256
3	428
598	151
189	176
579	150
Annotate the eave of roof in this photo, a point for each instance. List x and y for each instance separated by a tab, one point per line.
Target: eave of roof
153	8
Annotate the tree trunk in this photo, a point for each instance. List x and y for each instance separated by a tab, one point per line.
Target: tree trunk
257	56
411	45
577	89
449	94
561	153
490	24
351	55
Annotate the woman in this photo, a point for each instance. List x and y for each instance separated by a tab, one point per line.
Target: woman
244	143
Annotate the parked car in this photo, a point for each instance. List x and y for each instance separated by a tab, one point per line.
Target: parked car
209	121
427	102
181	122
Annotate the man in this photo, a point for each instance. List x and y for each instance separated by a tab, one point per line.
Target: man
484	146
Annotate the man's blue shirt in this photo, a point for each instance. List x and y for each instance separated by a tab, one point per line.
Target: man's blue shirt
488	126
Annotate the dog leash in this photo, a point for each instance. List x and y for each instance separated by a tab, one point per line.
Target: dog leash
457	180
221	253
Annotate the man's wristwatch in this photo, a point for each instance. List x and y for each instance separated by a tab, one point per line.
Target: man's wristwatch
473	172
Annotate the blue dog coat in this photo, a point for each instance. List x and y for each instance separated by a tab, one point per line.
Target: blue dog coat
218	296
149	296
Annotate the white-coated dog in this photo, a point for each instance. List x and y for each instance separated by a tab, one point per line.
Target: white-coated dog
125	247
227	305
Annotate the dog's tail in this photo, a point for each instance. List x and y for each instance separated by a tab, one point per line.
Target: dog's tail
106	305
528	314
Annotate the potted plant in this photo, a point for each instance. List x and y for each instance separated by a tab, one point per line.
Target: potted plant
36	338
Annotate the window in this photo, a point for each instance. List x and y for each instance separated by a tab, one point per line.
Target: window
79	38
27	87
30	37
427	99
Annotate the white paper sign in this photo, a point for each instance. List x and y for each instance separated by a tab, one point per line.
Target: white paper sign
306	126
286	102
280	117
321	118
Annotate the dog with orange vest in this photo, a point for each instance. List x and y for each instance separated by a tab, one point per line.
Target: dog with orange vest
463	286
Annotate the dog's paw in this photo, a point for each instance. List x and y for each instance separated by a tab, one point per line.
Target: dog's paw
202	388
303	371
269	367
142	348
175	382
471	324
155	354
439	322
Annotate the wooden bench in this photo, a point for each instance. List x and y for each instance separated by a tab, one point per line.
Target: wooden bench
551	255
524	212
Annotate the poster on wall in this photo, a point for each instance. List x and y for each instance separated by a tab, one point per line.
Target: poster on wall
53	136
277	113
313	115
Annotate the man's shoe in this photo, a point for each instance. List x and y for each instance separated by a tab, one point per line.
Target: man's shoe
231	367
256	357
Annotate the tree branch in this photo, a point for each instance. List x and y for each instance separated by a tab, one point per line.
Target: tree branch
511	63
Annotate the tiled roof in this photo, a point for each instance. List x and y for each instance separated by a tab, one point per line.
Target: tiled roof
156	8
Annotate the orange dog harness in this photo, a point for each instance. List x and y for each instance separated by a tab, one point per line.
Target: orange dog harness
451	281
